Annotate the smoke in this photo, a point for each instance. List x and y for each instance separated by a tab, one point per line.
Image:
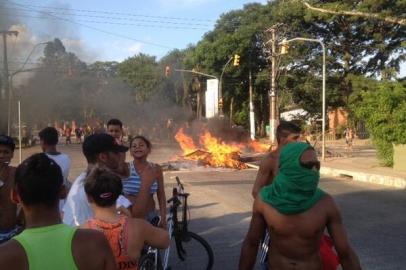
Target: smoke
60	85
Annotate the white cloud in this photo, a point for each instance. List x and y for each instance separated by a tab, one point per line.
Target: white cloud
135	48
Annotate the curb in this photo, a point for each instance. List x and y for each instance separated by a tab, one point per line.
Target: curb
390	181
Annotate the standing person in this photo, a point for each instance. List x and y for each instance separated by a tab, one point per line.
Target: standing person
78	133
49	139
8	209
68	134
101	150
140	190
127	236
46	243
115	129
349	137
286	132
296	212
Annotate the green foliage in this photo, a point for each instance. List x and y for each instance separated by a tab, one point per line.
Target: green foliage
384	112
143	74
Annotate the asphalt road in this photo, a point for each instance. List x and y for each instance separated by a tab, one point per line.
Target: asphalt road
220	210
375	216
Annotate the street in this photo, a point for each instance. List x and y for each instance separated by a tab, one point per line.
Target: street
220	210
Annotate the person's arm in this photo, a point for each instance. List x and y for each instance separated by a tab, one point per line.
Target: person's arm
147	178
348	258
254	236
143	233
161	196
154	236
263	175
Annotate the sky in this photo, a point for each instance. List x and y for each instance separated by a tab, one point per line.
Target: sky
109	30
116	30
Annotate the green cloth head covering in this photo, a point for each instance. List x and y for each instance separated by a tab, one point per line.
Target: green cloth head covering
294	189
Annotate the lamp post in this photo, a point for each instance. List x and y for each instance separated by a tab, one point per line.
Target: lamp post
221	86
323	132
11	83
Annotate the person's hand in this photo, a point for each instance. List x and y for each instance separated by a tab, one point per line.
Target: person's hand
148	173
124	211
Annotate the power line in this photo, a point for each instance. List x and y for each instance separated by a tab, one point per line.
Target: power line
106	32
109	17
111	23
119	13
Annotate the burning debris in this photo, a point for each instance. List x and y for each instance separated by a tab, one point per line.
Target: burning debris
214	152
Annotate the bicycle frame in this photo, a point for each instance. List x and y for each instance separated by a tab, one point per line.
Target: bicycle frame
173	223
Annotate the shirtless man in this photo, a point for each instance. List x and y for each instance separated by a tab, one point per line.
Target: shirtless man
115	129
46	243
8	209
296	213
286	132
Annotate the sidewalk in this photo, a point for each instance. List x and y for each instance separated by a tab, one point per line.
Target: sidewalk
361	164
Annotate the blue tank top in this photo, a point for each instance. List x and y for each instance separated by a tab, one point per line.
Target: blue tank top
132	185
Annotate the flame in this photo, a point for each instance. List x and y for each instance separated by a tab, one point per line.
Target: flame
221	154
185	142
259	147
213	152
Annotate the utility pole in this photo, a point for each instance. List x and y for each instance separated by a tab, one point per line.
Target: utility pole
252	115
273	114
5	93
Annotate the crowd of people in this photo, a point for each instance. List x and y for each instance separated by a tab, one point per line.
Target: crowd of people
104	220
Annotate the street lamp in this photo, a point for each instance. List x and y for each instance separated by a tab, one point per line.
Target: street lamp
21	69
323	132
221	86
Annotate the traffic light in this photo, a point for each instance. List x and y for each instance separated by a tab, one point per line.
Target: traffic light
284	47
236	60
167	71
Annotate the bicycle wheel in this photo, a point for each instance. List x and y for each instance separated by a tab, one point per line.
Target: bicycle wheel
147	262
193	252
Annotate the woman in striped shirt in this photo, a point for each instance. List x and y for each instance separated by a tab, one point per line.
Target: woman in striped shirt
145	179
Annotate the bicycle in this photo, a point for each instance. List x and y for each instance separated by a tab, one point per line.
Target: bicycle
192	250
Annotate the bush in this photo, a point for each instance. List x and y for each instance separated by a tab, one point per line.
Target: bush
384	113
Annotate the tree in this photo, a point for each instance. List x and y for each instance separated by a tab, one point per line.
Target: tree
357	13
388	123
143	74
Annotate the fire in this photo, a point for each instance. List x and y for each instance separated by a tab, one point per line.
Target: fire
212	151
259	147
185	142
221	154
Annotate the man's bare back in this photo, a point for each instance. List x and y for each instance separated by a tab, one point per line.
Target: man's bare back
266	172
8	209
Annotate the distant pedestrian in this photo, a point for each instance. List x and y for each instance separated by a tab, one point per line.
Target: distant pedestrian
68	134
349	138
78	133
46	243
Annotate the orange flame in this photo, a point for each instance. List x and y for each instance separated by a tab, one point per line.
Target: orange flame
213	152
185	142
259	147
221	154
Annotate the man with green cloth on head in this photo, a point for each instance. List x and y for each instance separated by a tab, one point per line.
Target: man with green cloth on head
296	212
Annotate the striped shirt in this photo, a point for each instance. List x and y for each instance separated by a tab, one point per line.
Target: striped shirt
132	185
